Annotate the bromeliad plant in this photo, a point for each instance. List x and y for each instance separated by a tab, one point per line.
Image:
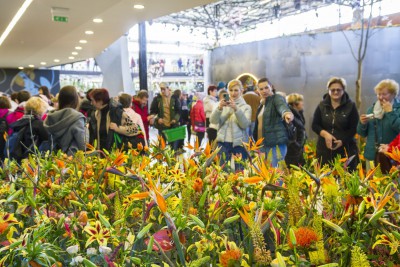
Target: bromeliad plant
150	207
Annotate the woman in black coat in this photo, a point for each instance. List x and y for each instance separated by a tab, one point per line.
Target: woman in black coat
335	121
295	147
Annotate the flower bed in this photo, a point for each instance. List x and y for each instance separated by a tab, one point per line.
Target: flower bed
151	208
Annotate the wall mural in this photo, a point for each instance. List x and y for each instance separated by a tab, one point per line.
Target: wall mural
14	80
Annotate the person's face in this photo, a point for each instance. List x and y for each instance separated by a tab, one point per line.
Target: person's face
165	91
97	104
234	92
214	93
299	105
385	95
264	89
336	91
143	101
41	91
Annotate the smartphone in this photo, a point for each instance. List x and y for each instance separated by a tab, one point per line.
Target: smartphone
226	97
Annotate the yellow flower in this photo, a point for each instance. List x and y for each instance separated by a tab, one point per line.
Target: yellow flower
388	240
97	233
358	258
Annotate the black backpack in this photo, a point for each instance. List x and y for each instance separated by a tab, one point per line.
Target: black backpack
3	129
15	145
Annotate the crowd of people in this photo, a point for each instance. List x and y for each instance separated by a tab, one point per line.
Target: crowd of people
228	116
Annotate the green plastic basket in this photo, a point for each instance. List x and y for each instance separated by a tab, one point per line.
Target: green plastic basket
174	134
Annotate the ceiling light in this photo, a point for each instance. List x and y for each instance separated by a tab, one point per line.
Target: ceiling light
43	63
78	47
31	66
21	68
83	41
71	57
97	20
56	60
89	32
74	53
138	6
14	20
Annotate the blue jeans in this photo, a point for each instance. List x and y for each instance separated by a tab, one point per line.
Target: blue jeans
229	150
275	160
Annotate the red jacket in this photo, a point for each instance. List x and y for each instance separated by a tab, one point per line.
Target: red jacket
143	112
14	116
197	113
395	143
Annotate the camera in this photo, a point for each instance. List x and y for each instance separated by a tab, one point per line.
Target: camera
370	116
226	97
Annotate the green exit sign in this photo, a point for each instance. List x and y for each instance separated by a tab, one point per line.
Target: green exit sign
60	18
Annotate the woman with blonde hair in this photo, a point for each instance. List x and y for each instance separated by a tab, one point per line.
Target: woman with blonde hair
381	123
31	125
295	147
335	121
233	116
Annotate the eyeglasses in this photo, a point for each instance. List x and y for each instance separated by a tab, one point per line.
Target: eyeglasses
335	90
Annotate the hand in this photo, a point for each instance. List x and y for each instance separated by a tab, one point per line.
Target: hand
173	121
113	126
288	117
160	121
232	104
383	148
222	104
329	139
387	106
364	118
337	144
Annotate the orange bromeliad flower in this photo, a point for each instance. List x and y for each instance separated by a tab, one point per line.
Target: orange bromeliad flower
198	185
305	237
395	154
253	146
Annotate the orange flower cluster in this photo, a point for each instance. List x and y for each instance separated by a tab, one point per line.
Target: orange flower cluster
198	185
305	237
229	256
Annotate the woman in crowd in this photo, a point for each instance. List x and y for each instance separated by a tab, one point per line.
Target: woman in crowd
296	147
381	124
45	94
5	106
140	106
107	121
198	118
233	116
134	119
210	103
272	115
22	97
34	133
335	122
66	125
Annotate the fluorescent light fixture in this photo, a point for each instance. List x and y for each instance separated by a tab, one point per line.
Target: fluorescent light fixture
20	68
71	57
15	19
89	32
31	66
56	60
43	63
74	53
138	6
78	47
83	41
97	20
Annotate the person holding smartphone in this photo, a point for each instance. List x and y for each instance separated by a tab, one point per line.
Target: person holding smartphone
232	116
381	123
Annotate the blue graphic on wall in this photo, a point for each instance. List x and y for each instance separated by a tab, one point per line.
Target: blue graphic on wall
14	80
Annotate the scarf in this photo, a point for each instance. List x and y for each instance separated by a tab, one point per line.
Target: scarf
378	110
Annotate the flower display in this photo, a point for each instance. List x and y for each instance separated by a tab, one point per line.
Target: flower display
154	208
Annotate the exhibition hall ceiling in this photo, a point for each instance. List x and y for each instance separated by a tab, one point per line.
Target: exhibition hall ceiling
53	32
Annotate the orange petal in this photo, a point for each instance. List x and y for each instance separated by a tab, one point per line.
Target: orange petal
139	196
252	180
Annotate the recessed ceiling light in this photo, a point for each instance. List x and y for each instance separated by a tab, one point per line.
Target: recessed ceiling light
78	47
83	41
43	63
31	66
74	53
14	20
21	68
56	60
97	20
89	32
71	57
138	6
